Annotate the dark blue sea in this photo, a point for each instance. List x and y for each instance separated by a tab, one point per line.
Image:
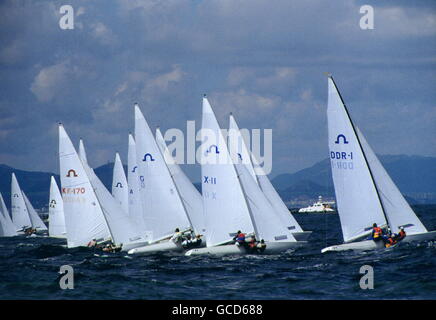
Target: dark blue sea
29	269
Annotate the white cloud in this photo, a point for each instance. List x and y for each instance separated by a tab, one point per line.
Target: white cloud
50	81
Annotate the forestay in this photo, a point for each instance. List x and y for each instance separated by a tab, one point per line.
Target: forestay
352	179
56	226
84	218
398	211
190	196
163	208
224	204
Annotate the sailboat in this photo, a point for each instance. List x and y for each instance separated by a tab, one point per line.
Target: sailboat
239	152
20	216
163	207
358	178
84	219
92	210
7	227
233	200
36	221
24	215
119	185
56	226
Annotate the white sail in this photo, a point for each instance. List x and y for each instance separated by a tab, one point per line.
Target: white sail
190	196
56	226
238	148
267	224
84	218
241	154
352	179
123	230
34	217
119	185
224	203
82	152
135	203
7	227
396	207
20	216
163	208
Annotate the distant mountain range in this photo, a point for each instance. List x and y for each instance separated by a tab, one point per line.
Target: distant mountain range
415	176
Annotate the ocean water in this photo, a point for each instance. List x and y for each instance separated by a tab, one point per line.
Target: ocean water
29	269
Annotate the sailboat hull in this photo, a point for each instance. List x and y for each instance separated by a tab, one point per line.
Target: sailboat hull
156	247
360	245
302	236
271	248
425	236
133	245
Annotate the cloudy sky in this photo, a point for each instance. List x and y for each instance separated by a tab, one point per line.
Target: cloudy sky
262	60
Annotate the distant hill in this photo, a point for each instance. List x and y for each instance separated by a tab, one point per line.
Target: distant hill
414	175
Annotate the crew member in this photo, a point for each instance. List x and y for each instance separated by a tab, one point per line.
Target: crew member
177	237
377	232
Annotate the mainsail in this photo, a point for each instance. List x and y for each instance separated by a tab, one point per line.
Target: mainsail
34	217
7	227
56	226
353	182
119	185
190	196
163	208
84	218
20	216
225	207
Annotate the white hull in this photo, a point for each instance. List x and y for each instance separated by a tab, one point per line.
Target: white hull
156	247
131	246
431	235
271	248
302	236
360	245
